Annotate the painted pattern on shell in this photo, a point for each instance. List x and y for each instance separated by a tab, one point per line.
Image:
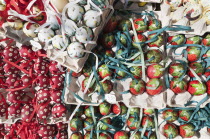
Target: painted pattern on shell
75	12
45	35
84	34
59	42
75	50
92	19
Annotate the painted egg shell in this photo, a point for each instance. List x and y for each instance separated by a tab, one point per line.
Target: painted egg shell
70	27
44	112
55	96
75	12
11	53
58	110
43	95
102	4
14	96
61	126
25	64
3	109
75	50
56	82
45	34
9	69
26	52
14	110
84	34
26	112
62	135
42	81
46	130
29	29
92	19
12	81
59	42
41	67
193	12
54	68
26	80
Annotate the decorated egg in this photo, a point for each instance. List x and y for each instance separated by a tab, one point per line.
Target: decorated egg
62	135
14	110
3	109
155	71
170	113
41	66
104	136
58	110
185	114
91	87
43	95
92	18
35	10
55	68
26	112
132	123
137	87
111	24
176	70
187	130
206	40
140	25
196	88
104	108
56	81
104	71
26	52
25	64
26	80
140	42
61	126
55	96
206	15
176	40
194	40
193	12
70	27
149	120
75	12
108	40
44	112
10	69
42	80
76	50
157	42
46	130
154	24
88	124
11	53
88	112
170	130
154	56
45	34
148	111
119	110
86	71
29	29
76	124
12	81
154	86
102	4
106	85
193	53
178	86
58	42
89	136
76	135
197	67
84	34
121	134
124	25
134	111
14	96
136	71
104	124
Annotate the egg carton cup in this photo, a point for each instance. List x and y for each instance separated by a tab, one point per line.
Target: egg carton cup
77	64
179	100
198	134
167	17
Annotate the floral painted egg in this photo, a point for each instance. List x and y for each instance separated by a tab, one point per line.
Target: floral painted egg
70	27
45	34
104	124
92	18
206	40
120	74
193	53
26	80
89	136
136	71
55	96
154	86
25	64
88	124
76	135
196	88
29	29
76	124
154	56
41	66
137	87
91	87
102	4
185	114
58	110
88	112
176	40
108	40
140	42
84	34
119	110
137	135
155	71
150	122
12	81
187	130
178	86
26	112
61	126
57	81
44	112
140	25
170	130
76	50
58	42
106	85
148	111
176	70
194	40
43	95
3	5
124	25
104	71
134	111
14	110
158	41
174	4
121	135
104	136
133	123
46	130
154	24
10	69
197	67
11	53
104	108
14	96
170	113
42	81
26	52
75	12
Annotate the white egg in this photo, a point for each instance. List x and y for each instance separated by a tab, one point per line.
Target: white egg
75	50
84	34
29	29
92	18
58	42
75	12
70	27
45	34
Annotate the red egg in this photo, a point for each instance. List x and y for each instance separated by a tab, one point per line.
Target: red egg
26	52
42	80
43	95
14	110
58	110
56	82
55	96
44	112
11	53
26	112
